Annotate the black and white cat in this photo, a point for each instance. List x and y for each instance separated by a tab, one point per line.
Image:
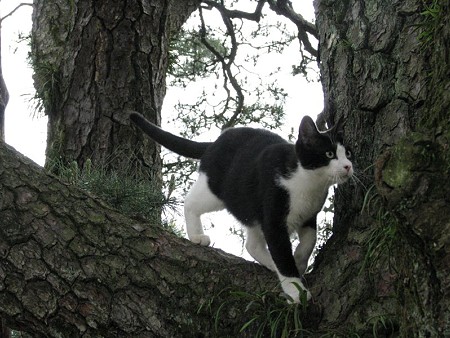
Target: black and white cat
274	188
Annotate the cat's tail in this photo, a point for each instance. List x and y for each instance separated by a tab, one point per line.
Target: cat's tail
179	145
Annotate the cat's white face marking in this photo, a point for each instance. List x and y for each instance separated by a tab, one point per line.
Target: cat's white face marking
340	168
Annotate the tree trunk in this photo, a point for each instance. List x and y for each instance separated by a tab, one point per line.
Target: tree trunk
92	61
388	260
71	267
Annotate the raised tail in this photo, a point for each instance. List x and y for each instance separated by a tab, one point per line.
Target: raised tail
177	144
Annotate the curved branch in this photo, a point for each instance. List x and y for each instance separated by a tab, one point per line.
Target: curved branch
284	7
226	63
255	16
14	10
281	7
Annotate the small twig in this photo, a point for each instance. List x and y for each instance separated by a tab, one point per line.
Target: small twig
14	10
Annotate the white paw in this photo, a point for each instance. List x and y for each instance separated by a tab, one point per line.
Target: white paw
295	289
203	240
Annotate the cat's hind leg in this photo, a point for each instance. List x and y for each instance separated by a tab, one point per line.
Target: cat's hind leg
199	200
256	246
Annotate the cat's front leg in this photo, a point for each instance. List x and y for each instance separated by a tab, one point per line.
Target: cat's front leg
307	236
280	249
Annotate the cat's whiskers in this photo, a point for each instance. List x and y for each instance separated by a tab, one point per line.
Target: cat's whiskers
358	182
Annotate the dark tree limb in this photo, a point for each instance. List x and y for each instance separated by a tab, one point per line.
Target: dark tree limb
233	14
226	63
284	7
235	93
71	266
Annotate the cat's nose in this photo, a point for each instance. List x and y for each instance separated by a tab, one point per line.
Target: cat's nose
347	167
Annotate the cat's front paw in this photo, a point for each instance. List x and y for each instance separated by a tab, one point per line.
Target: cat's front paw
295	290
203	240
298	296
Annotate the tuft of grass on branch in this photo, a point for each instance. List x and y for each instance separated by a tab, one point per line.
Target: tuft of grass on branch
268	314
134	197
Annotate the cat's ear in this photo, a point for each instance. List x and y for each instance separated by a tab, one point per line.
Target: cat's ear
307	129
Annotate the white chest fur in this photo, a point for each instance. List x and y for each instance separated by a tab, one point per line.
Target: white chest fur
307	191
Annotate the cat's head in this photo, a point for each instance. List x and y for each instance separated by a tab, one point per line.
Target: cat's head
324	150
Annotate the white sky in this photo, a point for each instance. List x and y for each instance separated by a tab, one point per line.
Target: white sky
28	134
24	133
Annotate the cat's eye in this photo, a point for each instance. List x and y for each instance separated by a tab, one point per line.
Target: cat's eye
348	153
329	154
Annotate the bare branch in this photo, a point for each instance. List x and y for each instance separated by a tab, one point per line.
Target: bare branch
281	7
232	14
284	7
226	65
14	10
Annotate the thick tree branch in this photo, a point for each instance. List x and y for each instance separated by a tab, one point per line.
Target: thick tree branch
71	266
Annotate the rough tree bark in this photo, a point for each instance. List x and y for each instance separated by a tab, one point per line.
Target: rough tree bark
389	258
71	267
93	60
